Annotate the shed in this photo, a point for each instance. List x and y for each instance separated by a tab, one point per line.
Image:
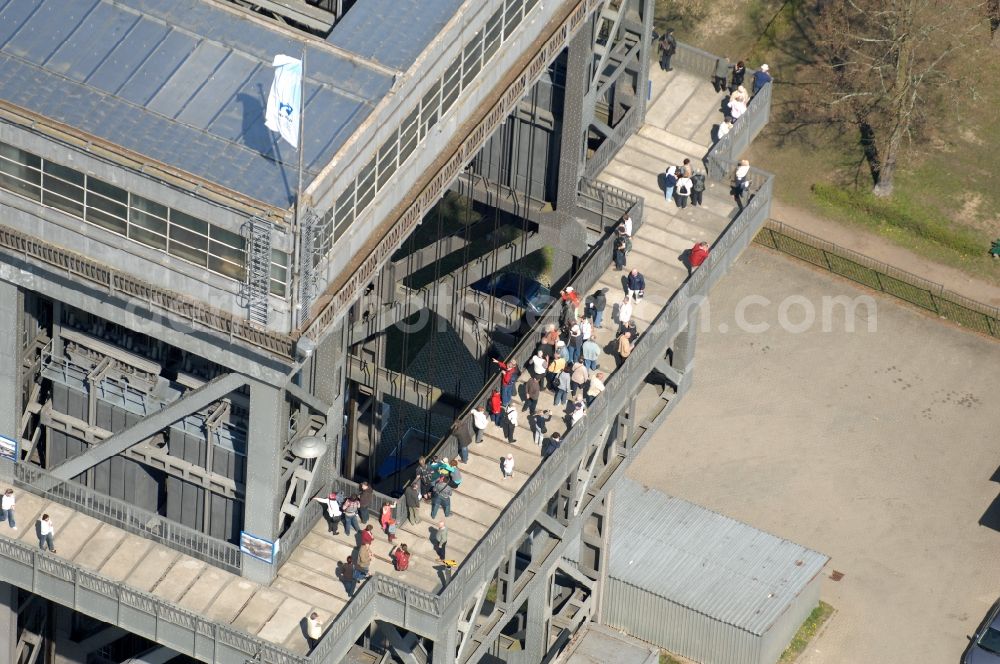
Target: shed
701	584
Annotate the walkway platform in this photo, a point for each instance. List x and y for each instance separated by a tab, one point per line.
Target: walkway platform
678	125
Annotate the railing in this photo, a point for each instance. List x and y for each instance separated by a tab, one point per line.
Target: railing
124	285
729	148
611	144
882	277
128	517
533	497
141	613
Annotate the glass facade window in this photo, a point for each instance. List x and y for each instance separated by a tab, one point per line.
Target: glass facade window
150	223
415	127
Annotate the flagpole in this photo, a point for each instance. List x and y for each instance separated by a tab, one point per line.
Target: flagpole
297	234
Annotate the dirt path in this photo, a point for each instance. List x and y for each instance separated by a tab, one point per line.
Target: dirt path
870	244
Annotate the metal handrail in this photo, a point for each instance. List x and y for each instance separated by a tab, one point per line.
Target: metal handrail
128	517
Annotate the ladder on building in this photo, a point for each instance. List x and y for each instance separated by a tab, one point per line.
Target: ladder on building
258	239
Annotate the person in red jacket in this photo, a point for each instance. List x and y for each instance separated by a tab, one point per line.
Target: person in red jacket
508	380
496	407
698	255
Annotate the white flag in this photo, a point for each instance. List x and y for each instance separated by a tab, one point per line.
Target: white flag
284	103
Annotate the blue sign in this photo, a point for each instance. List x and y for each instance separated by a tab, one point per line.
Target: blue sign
9	449
258	547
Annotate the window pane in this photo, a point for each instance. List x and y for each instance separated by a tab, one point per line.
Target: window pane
187	237
63	196
451	89
188	222
493	28
429	109
471	62
106	190
147	238
63	173
151	207
109	221
514	8
225	268
231	254
229	238
196	256
147	221
366	186
387	160
278	288
279	258
408	137
19	172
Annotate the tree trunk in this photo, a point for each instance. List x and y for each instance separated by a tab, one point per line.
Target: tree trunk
887	173
870	148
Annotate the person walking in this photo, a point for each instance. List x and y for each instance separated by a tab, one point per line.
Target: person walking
510	423
636	284
556	367
508	379
314	630
562	387
348	575
7	508
721	75
591	353
740	184
508	466
619	251
697	188
401	558
350	508
667	46
551	444
683	191
332	513
496	407
441	498
670	183
538	426
595	387
365	497
624	314
579	377
479	422
413	502
46	534
624	348
699	253
761	78
532	390
600	303
464	438
364	563
441	540
739	72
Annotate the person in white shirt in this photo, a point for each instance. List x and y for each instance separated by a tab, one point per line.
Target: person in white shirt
508	466
624	313
46	533
723	129
480	420
510	423
332	511
683	191
7	508
314	629
578	412
627	223
586	329
538	363
736	108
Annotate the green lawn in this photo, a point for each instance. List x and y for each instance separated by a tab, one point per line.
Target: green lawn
807	632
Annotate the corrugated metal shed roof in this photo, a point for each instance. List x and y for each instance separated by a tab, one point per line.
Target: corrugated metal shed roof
392	32
183	82
705	561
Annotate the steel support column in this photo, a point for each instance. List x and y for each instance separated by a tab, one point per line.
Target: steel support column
8	622
11	304
265	442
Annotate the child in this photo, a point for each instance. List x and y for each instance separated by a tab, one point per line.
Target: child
508	466
388	521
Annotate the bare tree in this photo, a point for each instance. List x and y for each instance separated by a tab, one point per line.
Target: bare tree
888	68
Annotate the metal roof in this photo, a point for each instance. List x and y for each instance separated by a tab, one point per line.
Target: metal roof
392	32
705	561
183	82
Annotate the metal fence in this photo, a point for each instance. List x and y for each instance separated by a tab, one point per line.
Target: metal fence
881	277
611	144
128	517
